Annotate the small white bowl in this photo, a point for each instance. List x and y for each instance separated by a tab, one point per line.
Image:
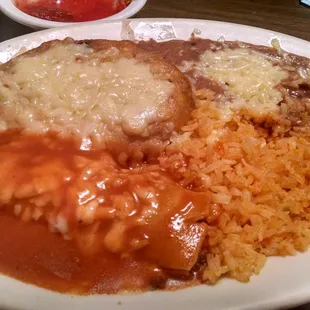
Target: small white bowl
9	9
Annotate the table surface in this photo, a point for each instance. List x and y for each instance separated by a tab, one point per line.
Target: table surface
286	16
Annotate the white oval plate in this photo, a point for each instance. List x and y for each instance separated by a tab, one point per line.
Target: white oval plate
283	282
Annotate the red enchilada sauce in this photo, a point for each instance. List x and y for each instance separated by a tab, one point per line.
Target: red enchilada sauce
71	10
76	221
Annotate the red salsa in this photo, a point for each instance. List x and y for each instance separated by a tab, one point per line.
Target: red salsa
71	10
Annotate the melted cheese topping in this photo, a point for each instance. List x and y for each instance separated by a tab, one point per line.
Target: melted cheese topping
248	78
67	88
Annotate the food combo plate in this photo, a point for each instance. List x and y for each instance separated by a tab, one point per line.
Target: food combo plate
283	282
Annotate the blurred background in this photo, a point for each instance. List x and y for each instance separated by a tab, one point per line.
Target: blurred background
287	16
